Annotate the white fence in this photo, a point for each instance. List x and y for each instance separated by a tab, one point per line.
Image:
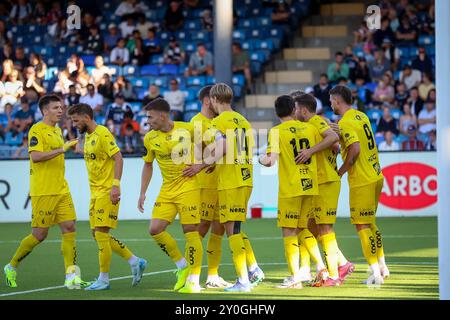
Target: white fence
409	190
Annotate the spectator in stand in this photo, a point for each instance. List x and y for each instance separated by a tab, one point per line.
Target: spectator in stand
363	93
93	99
6	52
40	13
87	23
55	13
427	118
2	92
388	144
322	89
407	119
94	44
427	25
22	151
426	86
191	4
7	69
391	53
77	71
431	144
207	20
120	55
386	123
123	87
20	61
143	25
24	117
423	63
32	85
152	44
174	53
175	98
384	33
99	70
379	66
106	89
410	77
38	65
384	93
129	134
241	64
406	34
360	35
415	101
401	96
174	18
127	27
117	111
111	38
361	71
281	14
112	127
13	89
72	98
21	12
130	8
135	47
201	62
338	68
5	35
413	144
432	96
153	93
9	115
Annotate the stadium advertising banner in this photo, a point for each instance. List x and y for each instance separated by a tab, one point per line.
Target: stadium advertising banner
410	188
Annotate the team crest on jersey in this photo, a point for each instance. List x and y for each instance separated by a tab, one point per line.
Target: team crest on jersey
292	129
33	141
93	143
307	184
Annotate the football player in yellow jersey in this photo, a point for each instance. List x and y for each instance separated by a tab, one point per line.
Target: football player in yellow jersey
298	183
104	164
51	201
326	202
365	179
232	154
209	208
170	143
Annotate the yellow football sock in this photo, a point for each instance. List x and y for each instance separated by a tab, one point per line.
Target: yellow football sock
291	252
168	245
194	252
249	254
237	247
120	248
368	245
69	249
379	242
214	251
305	258
329	245
310	242
104	251
24	249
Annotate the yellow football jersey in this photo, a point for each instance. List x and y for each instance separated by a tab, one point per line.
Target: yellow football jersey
46	177
99	147
326	159
207	178
173	151
355	127
287	139
235	169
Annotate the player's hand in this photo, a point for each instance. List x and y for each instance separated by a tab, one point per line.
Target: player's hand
115	195
336	128
69	144
141	202
192	170
303	156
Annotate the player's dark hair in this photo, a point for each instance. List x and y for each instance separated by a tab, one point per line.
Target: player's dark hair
204	92
47	99
296	93
81	109
308	101
344	92
159	104
284	106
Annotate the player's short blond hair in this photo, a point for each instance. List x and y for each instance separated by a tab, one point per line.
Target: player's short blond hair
222	92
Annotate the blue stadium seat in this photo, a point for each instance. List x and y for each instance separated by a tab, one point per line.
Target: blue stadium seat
3	119
149	70
193	106
196	81
246	23
247	45
371	86
51	73
258	56
264	21
396	113
187	116
374	126
183	35
237	91
379	139
190	47
164	35
238	79
88	59
115	70
37	39
426	40
203	36
14	140
404	52
210	80
430	50
241	12
374	114
168	69
140	92
396	75
136	106
157	59
100	119
256	33
239	34
193	24
256	11
255	67
262	44
43	50
160	82
130	70
140	82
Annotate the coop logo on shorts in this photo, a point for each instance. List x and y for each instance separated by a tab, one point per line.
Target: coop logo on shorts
409	186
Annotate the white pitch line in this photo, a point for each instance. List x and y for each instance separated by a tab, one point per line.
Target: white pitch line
406	236
204	266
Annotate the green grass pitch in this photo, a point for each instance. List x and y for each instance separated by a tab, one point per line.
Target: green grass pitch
410	247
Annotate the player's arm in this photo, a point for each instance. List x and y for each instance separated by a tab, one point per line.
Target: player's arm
146	177
217	149
329	139
40	156
198	165
118	168
352	156
269	159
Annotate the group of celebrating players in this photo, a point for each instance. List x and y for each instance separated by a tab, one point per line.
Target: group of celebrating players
207	173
